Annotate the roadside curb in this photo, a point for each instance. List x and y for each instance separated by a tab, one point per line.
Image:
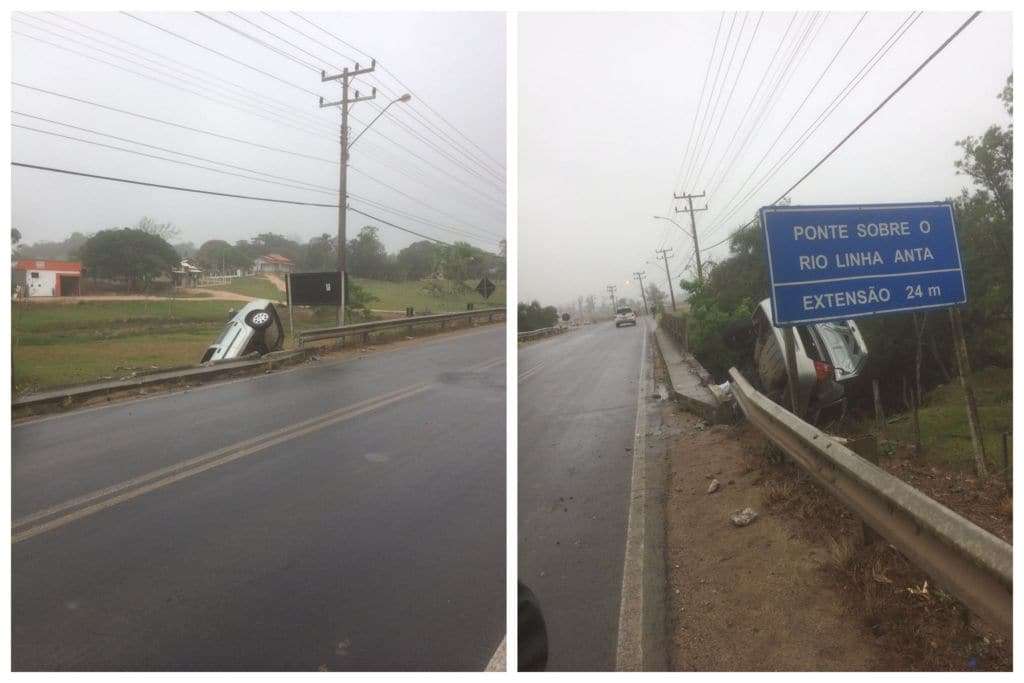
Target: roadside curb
692	385
642	623
74	396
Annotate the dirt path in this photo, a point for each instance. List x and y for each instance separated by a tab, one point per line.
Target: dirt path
276	280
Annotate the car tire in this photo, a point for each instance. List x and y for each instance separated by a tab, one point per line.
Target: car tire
259	320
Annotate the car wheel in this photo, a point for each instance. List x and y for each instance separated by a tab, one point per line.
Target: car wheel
259	320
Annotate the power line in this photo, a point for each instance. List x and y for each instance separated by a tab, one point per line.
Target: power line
430	127
221	54
419	98
258	41
863	121
796	111
728	101
194	190
746	111
208	77
171	123
769	101
207	132
302	128
162	149
707	108
696	113
827	112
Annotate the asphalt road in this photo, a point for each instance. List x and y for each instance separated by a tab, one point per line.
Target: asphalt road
340	516
577	415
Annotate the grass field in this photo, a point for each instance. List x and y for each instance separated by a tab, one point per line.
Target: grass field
61	344
945	433
58	344
388	296
395	296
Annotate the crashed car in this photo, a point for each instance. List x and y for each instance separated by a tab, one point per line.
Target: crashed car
254	330
828	356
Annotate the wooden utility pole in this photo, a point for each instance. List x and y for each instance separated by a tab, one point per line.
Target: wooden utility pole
640	276
665	255
611	290
964	367
693	228
879	413
344	104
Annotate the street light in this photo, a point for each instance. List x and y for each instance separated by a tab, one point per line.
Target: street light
665	218
404	98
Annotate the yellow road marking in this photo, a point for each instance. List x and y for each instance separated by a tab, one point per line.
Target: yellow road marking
169	475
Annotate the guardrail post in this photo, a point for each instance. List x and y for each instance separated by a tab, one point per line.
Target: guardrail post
366	337
867	448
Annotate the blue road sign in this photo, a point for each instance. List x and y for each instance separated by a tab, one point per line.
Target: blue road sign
835	262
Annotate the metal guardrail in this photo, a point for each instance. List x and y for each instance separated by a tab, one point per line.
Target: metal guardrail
380	325
969	562
543	332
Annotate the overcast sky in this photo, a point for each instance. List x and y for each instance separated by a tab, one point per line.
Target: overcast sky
607	101
447	172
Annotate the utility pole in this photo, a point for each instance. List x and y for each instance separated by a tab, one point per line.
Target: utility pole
611	290
693	228
345	104
640	276
664	256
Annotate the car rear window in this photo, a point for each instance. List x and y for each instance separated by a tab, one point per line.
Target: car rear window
624	311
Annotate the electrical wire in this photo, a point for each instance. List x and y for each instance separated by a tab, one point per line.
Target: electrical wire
860	125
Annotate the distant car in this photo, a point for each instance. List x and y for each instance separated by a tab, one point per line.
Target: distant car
255	328
828	355
624	316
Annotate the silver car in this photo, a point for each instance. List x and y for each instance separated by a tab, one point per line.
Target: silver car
828	355
256	328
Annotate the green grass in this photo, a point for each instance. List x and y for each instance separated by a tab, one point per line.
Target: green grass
255	286
395	296
945	433
58	344
61	344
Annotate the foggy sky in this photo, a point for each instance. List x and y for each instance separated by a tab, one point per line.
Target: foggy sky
606	102
454	63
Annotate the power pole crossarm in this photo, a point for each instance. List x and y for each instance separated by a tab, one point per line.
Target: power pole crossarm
693	227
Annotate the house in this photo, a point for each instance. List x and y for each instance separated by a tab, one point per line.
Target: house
273	263
186	274
39	278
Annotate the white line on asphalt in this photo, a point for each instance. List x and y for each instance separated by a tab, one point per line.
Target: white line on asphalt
145	484
629	654
526	374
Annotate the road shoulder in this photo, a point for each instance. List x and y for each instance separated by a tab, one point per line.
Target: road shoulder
744	599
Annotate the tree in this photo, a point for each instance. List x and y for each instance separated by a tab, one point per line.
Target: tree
655	296
165	231
65	250
367	256
533	316
15	236
320	254
591	303
217	256
127	254
419	259
185	249
456	262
